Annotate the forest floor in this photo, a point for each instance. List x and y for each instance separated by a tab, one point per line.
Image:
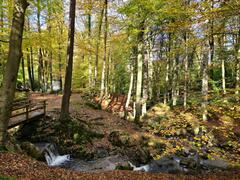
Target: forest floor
23	167
101	132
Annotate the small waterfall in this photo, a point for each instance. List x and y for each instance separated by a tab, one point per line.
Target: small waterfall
52	156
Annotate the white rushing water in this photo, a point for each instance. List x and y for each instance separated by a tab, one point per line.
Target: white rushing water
52	156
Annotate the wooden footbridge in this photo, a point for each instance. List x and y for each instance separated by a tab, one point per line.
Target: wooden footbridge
25	110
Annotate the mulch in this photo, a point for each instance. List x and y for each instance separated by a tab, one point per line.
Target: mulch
24	167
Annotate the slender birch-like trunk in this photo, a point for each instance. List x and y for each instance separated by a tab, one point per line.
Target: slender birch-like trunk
102	90
139	74
205	60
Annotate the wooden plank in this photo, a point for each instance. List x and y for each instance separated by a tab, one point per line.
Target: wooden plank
30	111
22	120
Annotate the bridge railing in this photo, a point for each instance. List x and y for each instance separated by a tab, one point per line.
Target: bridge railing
25	107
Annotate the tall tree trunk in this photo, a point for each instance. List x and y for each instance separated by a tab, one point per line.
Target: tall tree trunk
107	84
205	61
23	74
237	58
129	92
60	67
174	80
29	71
41	77
102	92
32	68
49	27
211	37
97	47
186	73
150	71
166	90
50	70
238	73
68	76
90	73
45	71
138	103
145	83
10	75
223	76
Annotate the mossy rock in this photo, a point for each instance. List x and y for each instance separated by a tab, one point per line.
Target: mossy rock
123	166
11	145
139	155
31	150
118	138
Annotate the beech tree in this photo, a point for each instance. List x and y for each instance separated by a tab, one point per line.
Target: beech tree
11	70
68	77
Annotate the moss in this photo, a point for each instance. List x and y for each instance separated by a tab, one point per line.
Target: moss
6	178
2	148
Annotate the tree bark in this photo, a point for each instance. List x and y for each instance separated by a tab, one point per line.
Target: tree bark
223	76
32	68
145	83
205	61
186	73
23	74
237	58
129	92
90	73
166	90
138	104
174	80
97	47
150	71
102	91
29	71
60	66
49	27
51	71
70	51
10	75
40	55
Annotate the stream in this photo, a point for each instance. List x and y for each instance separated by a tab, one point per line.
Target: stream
172	163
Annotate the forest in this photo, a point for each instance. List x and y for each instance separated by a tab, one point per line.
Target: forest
119	89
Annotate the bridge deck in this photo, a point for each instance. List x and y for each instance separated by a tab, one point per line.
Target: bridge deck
22	119
25	112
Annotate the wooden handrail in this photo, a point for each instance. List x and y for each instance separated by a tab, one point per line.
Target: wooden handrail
27	107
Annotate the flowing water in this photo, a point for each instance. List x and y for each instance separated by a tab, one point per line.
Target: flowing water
53	158
171	163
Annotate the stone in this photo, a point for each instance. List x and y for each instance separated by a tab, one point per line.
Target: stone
31	150
123	166
118	138
217	163
138	155
188	163
101	152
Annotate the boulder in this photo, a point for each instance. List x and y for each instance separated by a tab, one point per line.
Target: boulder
217	163
138	155
31	150
118	138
